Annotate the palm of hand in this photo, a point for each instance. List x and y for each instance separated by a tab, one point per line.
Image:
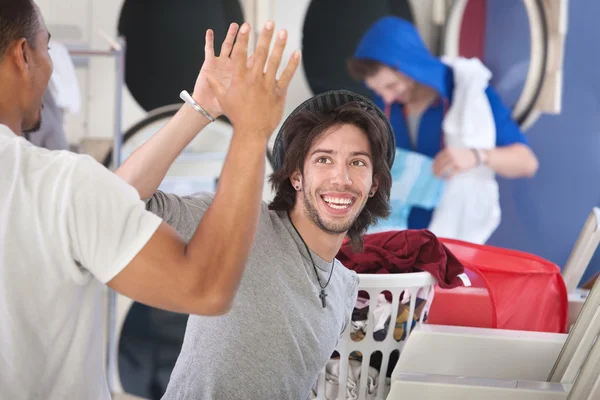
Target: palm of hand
220	69
240	86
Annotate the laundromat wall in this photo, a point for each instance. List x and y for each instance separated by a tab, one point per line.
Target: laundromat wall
79	23
542	215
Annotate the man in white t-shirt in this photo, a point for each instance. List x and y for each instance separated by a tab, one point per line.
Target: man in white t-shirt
67	225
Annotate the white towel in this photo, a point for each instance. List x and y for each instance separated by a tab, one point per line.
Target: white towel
470	205
64	85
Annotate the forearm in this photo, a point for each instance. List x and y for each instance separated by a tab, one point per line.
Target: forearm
514	161
224	237
147	166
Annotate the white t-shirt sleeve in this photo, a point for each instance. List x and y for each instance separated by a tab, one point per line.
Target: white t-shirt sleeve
107	221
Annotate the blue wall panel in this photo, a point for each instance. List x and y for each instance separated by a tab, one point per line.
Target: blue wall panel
545	214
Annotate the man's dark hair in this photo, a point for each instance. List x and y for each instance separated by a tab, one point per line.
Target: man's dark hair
362	68
304	128
18	19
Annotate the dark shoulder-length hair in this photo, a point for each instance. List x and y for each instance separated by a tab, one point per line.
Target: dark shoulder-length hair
304	128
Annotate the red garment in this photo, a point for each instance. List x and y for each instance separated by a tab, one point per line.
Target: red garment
410	250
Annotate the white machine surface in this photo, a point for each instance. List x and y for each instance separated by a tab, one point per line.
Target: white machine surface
440	362
428	386
480	353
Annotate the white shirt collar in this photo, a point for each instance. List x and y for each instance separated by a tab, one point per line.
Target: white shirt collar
5	131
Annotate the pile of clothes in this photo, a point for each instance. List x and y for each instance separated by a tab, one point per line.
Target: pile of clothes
382	314
389	253
398	252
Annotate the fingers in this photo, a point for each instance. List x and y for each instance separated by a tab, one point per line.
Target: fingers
262	48
229	40
437	171
445	168
256	62
441	159
289	71
436	166
441	169
240	49
209	44
440	163
443	172
275	58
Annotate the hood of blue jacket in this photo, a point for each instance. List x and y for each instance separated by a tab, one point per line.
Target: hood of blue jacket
396	43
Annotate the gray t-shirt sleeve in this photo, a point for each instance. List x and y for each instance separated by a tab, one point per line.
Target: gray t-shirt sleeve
183	213
352	297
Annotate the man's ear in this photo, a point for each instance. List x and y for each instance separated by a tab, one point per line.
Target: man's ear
296	180
374	187
19	52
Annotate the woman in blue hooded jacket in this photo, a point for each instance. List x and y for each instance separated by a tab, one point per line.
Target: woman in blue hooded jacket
415	88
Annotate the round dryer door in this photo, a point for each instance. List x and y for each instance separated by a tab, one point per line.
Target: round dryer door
149	345
331	32
511	38
165	44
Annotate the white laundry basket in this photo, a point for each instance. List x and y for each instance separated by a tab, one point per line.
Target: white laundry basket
409	286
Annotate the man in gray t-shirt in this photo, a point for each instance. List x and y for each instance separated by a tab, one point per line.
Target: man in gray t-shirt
332	180
277	336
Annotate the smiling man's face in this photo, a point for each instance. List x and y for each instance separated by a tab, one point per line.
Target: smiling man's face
337	178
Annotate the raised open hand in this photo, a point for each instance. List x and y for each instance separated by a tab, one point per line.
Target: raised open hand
255	99
219	68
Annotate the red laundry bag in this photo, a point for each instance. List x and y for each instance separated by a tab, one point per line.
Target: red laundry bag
510	290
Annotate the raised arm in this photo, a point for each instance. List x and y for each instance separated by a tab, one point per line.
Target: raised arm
202	277
147	166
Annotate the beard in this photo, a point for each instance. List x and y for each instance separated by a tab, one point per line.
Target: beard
310	211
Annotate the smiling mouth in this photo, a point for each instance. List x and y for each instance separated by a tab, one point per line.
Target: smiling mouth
338	203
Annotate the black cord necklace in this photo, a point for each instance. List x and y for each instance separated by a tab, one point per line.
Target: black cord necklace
322	295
